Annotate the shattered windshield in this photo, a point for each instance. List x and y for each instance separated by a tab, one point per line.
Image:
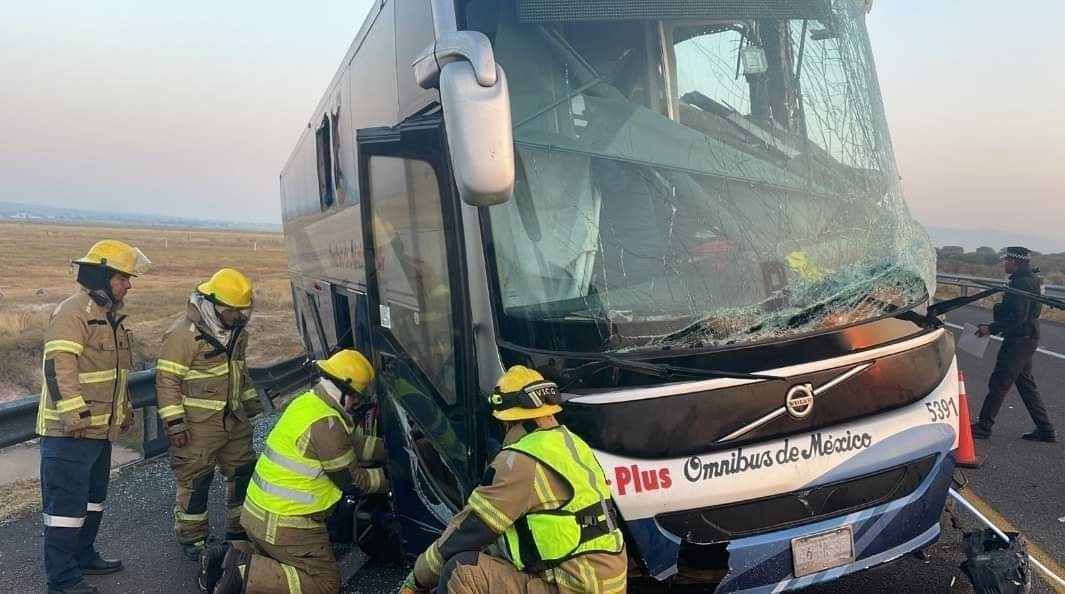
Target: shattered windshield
699	183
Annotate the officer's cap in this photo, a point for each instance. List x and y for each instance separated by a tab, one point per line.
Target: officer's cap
1017	252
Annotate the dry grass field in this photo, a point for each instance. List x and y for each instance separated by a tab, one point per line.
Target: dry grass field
35	275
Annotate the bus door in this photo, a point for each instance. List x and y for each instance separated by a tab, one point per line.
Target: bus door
419	323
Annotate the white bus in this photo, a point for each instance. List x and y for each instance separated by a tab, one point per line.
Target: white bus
685	213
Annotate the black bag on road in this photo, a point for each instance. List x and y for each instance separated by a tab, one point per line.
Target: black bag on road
995	566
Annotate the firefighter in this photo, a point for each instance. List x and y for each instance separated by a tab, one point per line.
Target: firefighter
312	457
1017	321
84	407
208	404
545	494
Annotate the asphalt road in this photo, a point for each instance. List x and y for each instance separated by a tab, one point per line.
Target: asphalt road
938	573
137	528
1021	481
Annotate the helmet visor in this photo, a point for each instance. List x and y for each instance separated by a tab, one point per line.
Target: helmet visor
141	263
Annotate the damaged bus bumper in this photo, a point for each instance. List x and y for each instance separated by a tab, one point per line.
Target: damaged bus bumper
872	490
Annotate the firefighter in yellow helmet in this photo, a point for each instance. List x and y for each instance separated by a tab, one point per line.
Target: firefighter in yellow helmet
545	495
84	407
207	403
309	462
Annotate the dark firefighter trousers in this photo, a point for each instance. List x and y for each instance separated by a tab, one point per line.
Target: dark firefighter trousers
74	477
1014	366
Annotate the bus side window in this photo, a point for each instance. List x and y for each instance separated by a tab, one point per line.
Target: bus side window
345	330
324	143
312	326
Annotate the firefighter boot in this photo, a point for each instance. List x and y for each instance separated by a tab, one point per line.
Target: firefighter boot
211	567
194	550
233	569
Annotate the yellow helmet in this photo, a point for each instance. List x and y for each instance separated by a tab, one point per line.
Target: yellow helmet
349	368
522	393
118	256
228	287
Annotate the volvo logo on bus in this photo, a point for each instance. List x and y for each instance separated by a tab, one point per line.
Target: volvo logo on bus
800	401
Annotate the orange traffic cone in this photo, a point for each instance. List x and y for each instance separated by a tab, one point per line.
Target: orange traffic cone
966	448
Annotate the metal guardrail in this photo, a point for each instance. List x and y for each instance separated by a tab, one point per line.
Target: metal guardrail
980	283
281	378
18	418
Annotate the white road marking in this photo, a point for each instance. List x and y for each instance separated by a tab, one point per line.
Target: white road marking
999	338
1051	353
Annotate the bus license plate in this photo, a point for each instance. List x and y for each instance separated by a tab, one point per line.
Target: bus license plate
819	552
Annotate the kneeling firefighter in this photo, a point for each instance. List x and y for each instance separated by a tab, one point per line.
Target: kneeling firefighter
309	462
208	404
545	495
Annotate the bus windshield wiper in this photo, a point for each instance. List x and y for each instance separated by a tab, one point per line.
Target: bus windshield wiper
661	370
667	370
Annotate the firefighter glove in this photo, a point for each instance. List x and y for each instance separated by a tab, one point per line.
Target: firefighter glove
410	585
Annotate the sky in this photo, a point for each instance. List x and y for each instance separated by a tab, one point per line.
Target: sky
192	108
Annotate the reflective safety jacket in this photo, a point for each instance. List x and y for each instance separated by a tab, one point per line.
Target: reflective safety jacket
586	522
200	380
526	482
309	454
86	366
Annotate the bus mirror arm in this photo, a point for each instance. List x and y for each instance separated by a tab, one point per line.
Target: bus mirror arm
476	105
460	46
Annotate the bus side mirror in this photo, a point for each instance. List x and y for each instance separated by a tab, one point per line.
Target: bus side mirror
473	91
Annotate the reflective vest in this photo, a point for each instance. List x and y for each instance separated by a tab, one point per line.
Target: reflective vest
585	524
286	482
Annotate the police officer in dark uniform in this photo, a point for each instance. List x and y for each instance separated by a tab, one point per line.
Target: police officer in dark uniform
1017	321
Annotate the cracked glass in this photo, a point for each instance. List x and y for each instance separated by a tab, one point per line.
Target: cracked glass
698	183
